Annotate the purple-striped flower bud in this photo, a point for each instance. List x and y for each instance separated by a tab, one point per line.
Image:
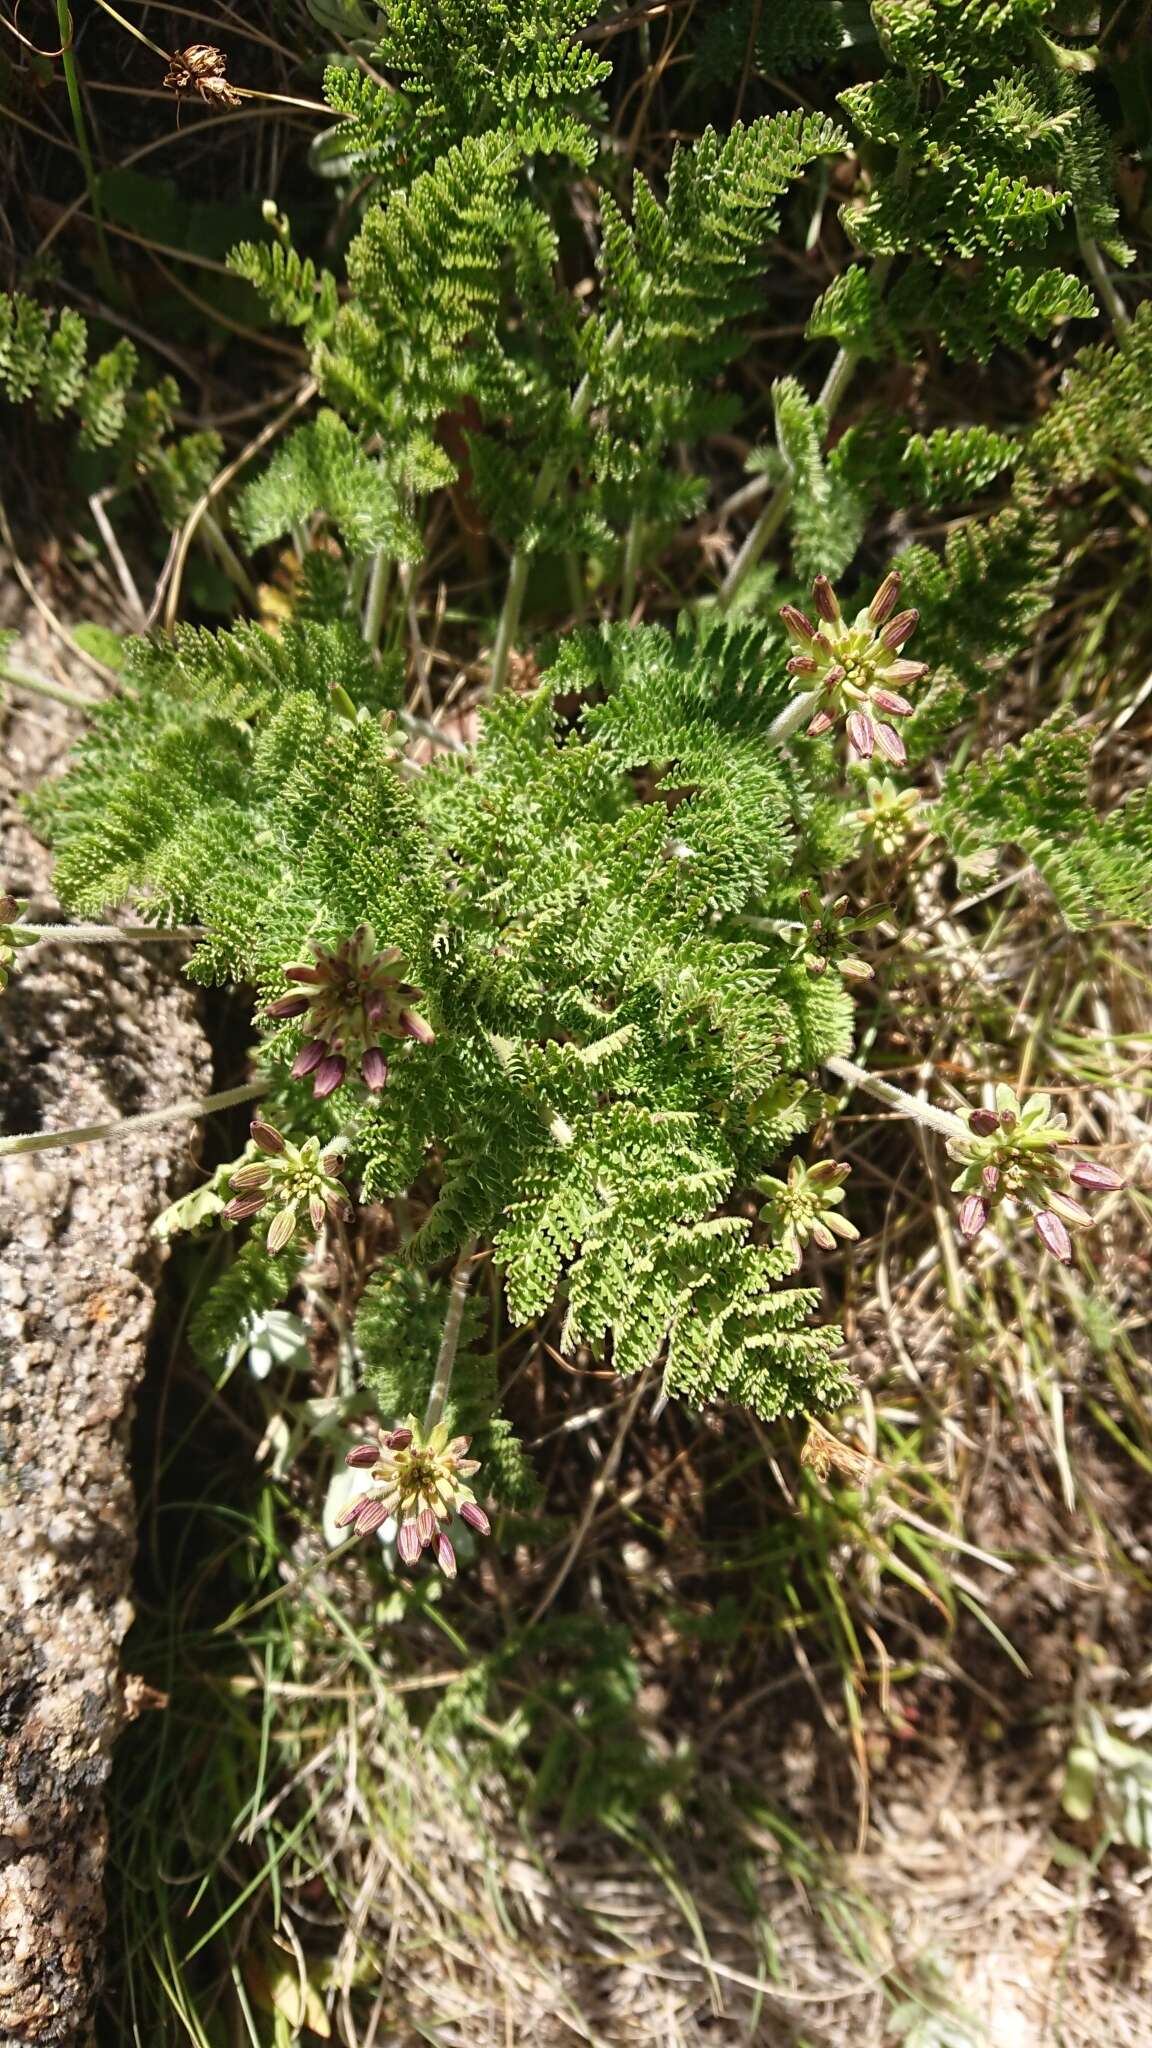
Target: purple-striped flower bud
417	1027
991	1178
862	734
373	1515
823	722
309	1057
1055	1235
884	602
472	1513
362	1455
802	665
899	629
287	1006
397	1439
1069	1209
310	977
825	601
445	1555
1088	1173
887	700
425	1527
266	1135
243	1206
408	1543
973	1215
374	1069
329	1074
797	623
890	744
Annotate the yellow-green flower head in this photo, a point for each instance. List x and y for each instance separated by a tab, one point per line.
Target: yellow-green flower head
856	666
291	1182
806	1207
889	815
1013	1154
420	1482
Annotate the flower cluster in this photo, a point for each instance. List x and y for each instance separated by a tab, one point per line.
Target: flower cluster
888	817
356	997
288	1180
12	937
827	928
806	1207
420	1483
856	667
1012	1154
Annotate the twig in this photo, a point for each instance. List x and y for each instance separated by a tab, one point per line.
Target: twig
599	1487
188	1111
457	1295
941	1120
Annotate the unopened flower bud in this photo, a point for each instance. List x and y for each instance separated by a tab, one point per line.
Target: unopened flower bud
1055	1235
1088	1173
973	1215
824	598
884	602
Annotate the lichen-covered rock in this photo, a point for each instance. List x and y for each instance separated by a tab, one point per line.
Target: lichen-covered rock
85	1036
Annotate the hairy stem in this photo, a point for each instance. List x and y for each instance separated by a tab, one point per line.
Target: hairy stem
793	716
942	1120
39	686
1101	277
546	482
110	934
449	1342
775	511
95	1134
377	598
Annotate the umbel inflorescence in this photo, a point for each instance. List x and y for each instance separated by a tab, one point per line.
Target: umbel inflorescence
1014	1155
356	996
855	667
417	1480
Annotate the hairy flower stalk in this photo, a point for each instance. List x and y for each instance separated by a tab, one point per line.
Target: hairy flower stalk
805	1207
856	668
418	1479
289	1182
1012	1153
355	997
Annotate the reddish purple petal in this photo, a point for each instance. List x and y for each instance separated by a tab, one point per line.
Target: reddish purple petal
890	744
797	623
862	733
899	629
1054	1235
887	700
884	602
309	1057
329	1076
417	1027
374	1069
1088	1174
